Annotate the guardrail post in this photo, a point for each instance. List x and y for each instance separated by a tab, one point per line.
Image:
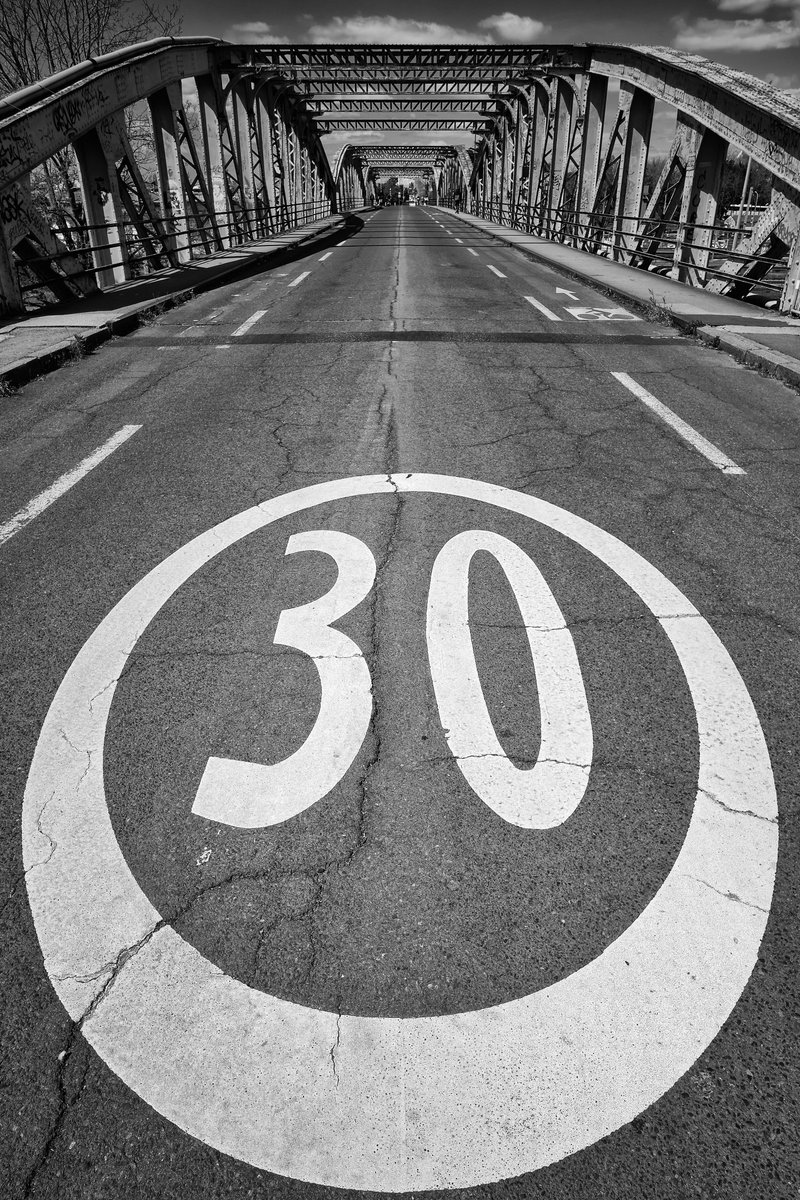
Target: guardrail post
102	206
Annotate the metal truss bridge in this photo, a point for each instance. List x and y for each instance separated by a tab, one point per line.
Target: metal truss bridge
179	147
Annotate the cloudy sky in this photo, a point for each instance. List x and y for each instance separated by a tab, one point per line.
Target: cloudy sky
761	37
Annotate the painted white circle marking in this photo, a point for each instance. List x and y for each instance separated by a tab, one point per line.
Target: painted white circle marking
422	1102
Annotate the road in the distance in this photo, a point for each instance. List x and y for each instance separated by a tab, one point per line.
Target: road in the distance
389	878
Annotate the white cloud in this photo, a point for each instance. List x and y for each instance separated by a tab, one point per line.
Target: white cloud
709	34
387	31
745	6
255	33
754	6
504	27
510	28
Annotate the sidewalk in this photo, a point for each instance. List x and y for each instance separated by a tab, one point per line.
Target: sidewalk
32	345
755	336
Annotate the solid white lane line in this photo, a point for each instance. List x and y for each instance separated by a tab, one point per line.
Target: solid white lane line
499	274
330	252
39	503
690	435
249	323
473	252
299	279
547	312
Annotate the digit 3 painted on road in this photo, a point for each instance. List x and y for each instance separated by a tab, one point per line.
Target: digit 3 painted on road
250	795
422	1102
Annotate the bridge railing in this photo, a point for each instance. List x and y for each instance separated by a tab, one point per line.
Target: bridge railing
695	253
173	241
146	158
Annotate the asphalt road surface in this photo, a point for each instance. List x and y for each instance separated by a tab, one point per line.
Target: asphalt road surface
401	673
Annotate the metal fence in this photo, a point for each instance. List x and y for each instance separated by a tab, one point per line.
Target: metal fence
146	246
694	253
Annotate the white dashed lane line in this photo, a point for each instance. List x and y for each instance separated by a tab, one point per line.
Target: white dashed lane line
547	312
690	435
249	323
499	274
473	252
299	279
330	252
63	484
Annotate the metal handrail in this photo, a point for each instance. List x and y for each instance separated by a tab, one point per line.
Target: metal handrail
170	232
625	239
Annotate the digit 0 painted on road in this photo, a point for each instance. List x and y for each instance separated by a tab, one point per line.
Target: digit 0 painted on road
421	1102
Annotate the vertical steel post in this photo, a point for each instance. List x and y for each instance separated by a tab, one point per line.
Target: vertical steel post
594	113
630	186
209	94
162	110
562	140
706	180
241	99
11	301
102	205
539	107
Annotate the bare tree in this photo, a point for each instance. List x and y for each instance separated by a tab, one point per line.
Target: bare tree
40	37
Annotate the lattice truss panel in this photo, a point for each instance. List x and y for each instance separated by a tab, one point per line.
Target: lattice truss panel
551	139
167	151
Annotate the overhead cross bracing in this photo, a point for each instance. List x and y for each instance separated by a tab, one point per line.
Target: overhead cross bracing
403	158
410	88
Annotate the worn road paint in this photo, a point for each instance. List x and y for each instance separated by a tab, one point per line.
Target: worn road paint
39	503
587	313
473	252
424	1102
249	323
547	312
251	795
537	797
566	292
687	432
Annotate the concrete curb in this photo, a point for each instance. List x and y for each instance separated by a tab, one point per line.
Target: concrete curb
751	354
25	369
761	358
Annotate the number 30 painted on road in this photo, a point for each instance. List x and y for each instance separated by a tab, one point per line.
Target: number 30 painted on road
251	795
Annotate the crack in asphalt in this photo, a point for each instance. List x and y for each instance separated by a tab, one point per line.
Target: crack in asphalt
732	896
